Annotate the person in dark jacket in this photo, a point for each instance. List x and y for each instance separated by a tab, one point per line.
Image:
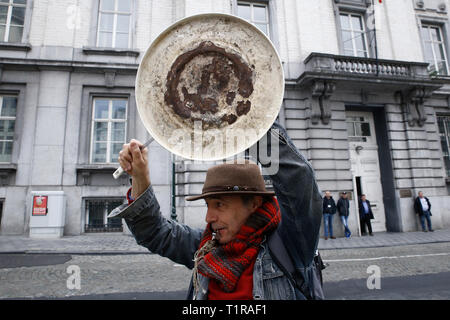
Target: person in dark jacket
329	209
231	257
422	206
343	206
365	215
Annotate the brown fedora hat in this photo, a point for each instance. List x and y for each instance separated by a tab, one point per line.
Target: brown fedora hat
233	178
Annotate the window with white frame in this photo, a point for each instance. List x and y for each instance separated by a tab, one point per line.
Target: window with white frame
434	49
109	124
444	133
353	31
8	109
358	128
114	23
12	19
255	13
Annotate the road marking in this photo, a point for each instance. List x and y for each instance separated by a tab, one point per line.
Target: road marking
392	257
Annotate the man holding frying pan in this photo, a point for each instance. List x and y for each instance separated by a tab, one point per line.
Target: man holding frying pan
231	257
208	75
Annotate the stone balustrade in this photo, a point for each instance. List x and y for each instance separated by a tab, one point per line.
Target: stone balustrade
360	66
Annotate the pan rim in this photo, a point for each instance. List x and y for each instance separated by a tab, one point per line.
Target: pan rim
168	31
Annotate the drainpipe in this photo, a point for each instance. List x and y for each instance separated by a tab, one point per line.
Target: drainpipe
375	38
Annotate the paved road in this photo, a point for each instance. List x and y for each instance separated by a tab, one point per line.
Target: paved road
99	274
420	287
435	286
406	272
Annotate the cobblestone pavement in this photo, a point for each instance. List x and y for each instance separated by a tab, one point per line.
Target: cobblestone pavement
99	274
118	243
406	272
140	273
87	243
395	261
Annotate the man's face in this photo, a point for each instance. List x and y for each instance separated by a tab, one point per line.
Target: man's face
344	195
363	198
421	194
328	194
227	214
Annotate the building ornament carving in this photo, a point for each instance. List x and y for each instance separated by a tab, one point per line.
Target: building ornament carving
413	105
321	92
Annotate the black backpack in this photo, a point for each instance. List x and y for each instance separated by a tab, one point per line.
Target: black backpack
311	289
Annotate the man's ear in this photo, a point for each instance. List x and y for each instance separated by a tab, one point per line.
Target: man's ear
257	202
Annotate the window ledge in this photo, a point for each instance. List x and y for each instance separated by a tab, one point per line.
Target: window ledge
8	167
440	77
97	167
87	171
15	46
111	51
6	170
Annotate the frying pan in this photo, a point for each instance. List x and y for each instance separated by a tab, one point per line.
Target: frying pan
209	86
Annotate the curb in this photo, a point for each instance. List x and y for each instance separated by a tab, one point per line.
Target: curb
384	245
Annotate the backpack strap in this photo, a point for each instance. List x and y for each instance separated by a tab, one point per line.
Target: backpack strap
279	253
281	257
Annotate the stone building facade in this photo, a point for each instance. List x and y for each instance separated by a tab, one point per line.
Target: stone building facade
367	100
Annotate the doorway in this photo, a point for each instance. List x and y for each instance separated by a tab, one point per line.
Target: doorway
365	164
358	187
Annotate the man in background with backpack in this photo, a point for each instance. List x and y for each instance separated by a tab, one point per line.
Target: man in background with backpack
255	246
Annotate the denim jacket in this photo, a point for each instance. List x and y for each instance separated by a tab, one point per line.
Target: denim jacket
301	208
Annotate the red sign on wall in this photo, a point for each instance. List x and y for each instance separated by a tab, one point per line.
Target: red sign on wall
40	205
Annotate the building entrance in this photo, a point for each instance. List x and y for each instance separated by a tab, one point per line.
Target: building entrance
365	165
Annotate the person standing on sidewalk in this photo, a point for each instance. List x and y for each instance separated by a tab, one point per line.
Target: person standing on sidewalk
365	215
343	206
329	209
422	206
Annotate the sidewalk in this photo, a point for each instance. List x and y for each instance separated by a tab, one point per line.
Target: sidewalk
99	243
118	243
386	239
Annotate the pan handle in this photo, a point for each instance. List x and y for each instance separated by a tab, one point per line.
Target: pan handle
120	171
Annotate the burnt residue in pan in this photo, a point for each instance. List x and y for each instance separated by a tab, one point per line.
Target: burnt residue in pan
215	76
